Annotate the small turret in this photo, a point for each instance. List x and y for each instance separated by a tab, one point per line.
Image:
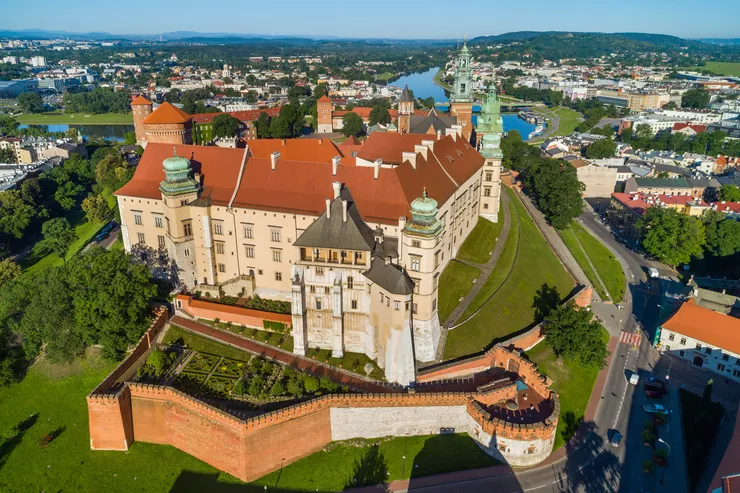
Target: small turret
178	179
423	217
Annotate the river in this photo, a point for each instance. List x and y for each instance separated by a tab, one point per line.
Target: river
108	132
423	86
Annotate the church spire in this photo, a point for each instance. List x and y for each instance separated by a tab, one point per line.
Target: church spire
462	90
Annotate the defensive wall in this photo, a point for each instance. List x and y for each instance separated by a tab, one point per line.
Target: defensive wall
228	313
251	448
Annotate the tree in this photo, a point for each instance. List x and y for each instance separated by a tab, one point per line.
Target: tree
9	271
644	131
7	156
573	334
129	138
31	102
112	171
380	114
729	193
557	191
225	126
723	234
600	149
15	213
695	98
351	124
263	126
672	237
67	194
96	208
58	235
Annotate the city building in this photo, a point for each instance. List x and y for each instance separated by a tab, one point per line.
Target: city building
664	186
598	180
626	209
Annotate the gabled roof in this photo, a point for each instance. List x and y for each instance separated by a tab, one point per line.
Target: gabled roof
167	113
433	121
391	277
406	95
663	182
712	328
324	99
334	231
350	141
140	100
313	150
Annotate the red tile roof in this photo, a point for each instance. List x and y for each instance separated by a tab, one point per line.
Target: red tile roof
696	128
350	141
389	146
140	100
167	113
713	328
244	116
303	176
640	202
726	206
324	99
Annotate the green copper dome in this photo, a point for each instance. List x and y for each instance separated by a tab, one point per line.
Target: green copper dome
423	217
178	179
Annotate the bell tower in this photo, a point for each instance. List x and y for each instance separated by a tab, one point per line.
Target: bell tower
461	99
490	126
405	110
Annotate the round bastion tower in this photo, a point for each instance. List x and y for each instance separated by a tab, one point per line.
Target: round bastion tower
141	107
421	254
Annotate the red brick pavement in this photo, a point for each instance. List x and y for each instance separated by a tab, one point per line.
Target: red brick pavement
299	362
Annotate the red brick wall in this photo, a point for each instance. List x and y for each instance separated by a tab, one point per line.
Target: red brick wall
227	313
109	418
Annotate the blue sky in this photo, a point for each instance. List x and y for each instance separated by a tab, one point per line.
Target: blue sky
378	18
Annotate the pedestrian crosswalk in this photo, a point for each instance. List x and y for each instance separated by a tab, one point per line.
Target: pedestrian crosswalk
631	338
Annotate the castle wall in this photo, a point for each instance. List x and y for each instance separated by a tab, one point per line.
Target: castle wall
225	313
375	422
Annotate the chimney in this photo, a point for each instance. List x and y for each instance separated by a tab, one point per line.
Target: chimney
321	141
283	142
337	186
335	164
421	149
376	165
457	129
344	211
451	132
410	157
401	223
328	209
439	134
274	159
429	144
387	261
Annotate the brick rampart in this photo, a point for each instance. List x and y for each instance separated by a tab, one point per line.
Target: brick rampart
228	313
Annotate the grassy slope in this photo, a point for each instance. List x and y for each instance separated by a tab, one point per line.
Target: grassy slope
480	242
720	68
68	464
510	309
455	282
76	119
569	238
572	382
606	264
569	120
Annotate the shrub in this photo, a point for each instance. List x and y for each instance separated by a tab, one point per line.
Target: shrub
273	326
238	388
256	385
277	390
311	384
327	385
257	303
294	387
157	363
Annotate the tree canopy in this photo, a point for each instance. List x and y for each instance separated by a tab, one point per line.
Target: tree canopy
573	334
225	126
722	233
58	235
695	98
729	193
670	236
31	102
600	149
351	124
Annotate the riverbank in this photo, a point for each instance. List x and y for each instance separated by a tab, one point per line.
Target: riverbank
75	119
437	79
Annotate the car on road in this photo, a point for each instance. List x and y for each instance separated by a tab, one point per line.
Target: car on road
655	408
615	439
653	272
103	233
656	385
653	394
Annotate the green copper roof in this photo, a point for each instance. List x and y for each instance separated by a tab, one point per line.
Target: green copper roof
177	179
491	125
424	216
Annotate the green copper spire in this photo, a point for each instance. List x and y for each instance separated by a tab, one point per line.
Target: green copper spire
424	220
491	125
177	179
462	90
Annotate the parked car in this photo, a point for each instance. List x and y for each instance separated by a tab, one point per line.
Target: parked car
616	439
655	408
103	233
653	394
656	385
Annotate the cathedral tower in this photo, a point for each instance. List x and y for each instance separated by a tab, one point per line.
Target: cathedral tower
405	110
461	99
490	126
324	108
141	107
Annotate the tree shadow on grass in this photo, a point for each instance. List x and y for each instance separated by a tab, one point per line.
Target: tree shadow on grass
11	437
370	469
199	482
572	423
545	300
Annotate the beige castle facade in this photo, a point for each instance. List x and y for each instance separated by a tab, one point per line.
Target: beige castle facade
356	237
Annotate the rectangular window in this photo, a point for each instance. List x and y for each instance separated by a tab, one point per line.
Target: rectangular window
160	241
318	304
415	307
668	348
353	304
218	228
725	357
396	305
140	237
186	252
416	243
683	341
319	271
222	267
248	230
435	281
698	346
158	221
137	218
489	176
487	191
350	283
249	249
416	264
358	257
220	247
436	260
275	235
708	350
671	337
278	276
720	367
387	301
381	297
434	304
277	255
312	289
682	353
187	228
327	290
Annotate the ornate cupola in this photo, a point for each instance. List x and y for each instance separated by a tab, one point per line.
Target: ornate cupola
424	220
178	176
490	125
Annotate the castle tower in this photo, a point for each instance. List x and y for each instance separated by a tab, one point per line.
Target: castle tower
489	129
461	99
167	125
405	110
141	107
324	108
420	236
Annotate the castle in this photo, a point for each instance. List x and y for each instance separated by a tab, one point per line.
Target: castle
414	121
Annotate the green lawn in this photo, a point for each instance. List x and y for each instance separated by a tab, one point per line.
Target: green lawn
203	344
454	283
510	309
480	242
573	384
569	238
719	68
385	76
53	398
76	118
569	120
353	362
608	267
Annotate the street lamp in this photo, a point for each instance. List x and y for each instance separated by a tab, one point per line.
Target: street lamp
666	457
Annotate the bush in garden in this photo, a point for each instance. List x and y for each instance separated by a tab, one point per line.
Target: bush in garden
256	385
294	387
277	390
327	385
156	363
267	368
311	384
238	388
